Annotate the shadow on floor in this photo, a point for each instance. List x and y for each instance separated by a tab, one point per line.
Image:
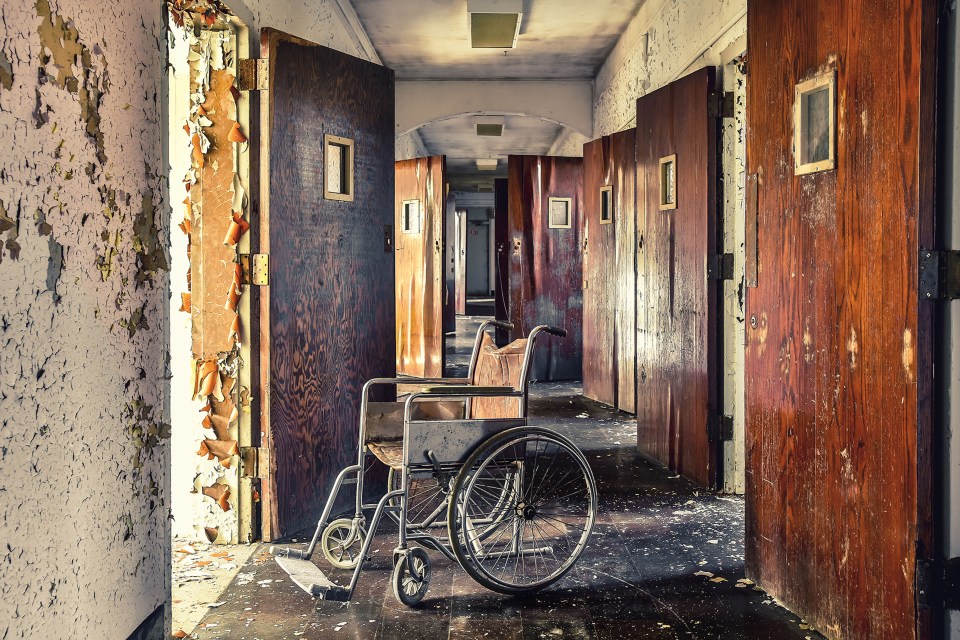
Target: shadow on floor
665	561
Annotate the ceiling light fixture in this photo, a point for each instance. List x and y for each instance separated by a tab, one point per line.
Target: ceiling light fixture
494	24
489	126
487	164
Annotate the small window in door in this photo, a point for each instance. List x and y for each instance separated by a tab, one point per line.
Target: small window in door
814	124
606	205
338	156
559	214
410	222
668	182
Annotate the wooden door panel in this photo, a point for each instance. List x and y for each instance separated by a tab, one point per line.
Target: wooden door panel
599	277
623	151
546	268
838	356
328	314
610	271
678	385
419	266
501	241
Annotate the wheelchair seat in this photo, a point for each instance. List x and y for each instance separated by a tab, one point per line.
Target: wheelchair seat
496	367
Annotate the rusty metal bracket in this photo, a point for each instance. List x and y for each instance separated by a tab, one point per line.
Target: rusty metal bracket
720	266
254	74
720	104
250	462
938	275
720	428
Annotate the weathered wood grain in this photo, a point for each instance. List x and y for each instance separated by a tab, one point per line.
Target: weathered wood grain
678	384
330	320
545	265
419	268
839	364
610	272
624	154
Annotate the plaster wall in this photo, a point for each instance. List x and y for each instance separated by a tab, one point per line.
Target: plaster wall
84	406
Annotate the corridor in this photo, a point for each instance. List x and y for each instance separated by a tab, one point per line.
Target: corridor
665	561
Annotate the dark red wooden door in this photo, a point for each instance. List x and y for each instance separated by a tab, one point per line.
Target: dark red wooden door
545	259
328	314
839	356
677	302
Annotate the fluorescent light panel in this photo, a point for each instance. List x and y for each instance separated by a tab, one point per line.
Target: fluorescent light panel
489	126
494	24
487	164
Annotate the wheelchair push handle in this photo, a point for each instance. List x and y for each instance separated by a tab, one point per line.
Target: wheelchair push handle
556	331
506	326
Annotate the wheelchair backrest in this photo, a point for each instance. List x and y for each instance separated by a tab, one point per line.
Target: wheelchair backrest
498	367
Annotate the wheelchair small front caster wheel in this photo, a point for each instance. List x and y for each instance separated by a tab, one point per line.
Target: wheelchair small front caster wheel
411	577
342	544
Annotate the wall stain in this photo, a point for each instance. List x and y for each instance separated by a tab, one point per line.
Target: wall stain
6	72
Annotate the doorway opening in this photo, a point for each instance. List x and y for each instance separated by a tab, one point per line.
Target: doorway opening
213	503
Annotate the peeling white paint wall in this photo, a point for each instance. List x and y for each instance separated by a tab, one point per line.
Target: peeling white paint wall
84	409
667	40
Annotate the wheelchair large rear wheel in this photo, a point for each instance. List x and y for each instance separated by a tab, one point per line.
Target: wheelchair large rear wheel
521	510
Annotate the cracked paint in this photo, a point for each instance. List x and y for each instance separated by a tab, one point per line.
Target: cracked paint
83	407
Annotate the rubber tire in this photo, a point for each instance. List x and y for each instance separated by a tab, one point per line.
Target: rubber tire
340	523
482	449
401	575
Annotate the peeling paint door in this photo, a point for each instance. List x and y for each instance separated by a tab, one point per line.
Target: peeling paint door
327	316
840	471
678	377
420	214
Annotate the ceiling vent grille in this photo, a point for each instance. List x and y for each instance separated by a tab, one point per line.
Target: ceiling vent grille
489	129
494	24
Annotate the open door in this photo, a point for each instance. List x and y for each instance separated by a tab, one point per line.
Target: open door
327	314
840	520
420	214
678	301
544	275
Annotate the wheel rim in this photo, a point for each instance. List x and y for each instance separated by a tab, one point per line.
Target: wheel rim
426	498
544	492
340	547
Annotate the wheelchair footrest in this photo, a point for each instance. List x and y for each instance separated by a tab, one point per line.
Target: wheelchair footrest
287	552
310	578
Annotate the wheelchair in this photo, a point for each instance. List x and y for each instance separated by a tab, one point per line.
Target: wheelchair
513	504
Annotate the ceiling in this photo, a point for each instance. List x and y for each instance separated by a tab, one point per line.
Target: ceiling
457	139
429	39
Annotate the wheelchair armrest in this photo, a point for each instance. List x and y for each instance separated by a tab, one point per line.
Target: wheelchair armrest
469	390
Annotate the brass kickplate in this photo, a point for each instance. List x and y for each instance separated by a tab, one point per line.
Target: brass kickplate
261	269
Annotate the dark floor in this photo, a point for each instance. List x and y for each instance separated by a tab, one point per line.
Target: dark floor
665	561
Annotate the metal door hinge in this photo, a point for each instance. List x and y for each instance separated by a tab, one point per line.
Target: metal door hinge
720	104
720	266
388	238
939	275
938	583
250	462
261	269
243	260
254	75
720	428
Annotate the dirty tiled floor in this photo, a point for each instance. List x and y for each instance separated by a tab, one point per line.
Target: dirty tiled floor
665	561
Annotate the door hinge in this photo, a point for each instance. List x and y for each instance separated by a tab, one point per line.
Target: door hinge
254	74
243	260
939	275
720	428
720	104
250	462
720	266
938	583
261	269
